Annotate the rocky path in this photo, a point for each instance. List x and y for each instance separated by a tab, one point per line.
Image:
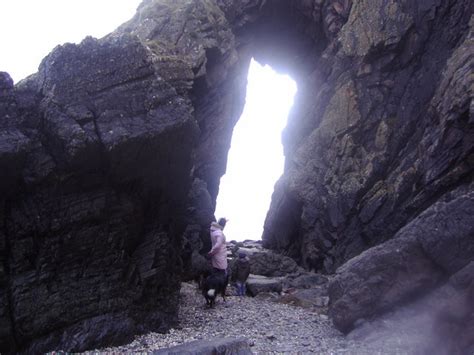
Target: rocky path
270	327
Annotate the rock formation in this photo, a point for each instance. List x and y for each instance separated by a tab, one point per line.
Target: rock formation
437	243
92	203
111	155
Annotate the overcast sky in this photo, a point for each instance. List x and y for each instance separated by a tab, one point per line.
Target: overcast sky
255	159
30	29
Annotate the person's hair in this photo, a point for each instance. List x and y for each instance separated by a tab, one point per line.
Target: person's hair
222	222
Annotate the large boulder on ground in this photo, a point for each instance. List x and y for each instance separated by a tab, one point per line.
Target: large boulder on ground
440	323
268	263
305	280
316	297
453	329
260	284
218	346
437	243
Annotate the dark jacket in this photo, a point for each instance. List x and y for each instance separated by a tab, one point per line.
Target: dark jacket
241	269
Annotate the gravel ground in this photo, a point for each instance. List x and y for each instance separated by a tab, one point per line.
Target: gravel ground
270	327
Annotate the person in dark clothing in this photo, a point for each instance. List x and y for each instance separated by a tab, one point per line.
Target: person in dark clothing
241	272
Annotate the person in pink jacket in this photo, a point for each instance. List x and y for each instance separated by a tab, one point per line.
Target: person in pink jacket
218	252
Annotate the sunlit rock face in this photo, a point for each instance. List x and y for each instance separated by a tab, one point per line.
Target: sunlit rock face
111	155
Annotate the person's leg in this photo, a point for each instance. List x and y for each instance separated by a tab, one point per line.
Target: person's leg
237	285
217	271
244	289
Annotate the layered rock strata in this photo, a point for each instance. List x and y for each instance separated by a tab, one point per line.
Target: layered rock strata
90	207
381	130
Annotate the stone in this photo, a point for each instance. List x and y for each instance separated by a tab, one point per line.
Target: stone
412	263
305	280
453	328
257	284
306	298
268	263
375	34
247	251
234	346
439	322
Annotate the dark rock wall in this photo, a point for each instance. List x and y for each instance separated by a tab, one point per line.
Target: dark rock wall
198	34
111	154
380	138
92	204
380	130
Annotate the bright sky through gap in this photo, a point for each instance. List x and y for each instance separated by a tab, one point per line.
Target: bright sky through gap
30	29
255	160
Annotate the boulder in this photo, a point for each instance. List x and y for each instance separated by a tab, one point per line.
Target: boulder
438	323
453	329
230	346
257	284
247	251
413	263
306	298
305	280
268	263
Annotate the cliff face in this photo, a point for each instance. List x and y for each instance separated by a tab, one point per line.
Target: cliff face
97	147
111	157
374	140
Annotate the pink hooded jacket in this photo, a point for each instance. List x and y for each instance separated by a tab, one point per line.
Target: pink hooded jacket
218	251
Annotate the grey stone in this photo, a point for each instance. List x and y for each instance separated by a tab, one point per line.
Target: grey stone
305	280
268	263
306	298
260	284
221	346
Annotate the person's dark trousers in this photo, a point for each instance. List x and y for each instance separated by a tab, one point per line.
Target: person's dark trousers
217	271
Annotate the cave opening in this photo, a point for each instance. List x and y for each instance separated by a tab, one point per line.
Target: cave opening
255	159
